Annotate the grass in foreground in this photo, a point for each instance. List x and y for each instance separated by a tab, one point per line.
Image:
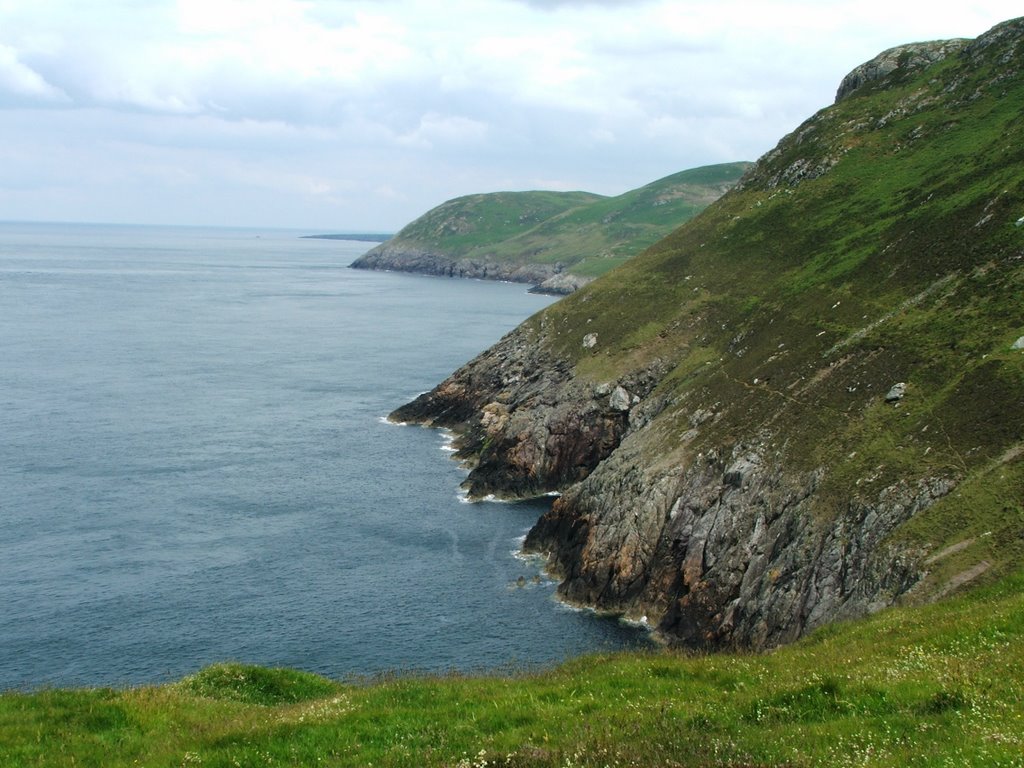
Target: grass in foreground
941	685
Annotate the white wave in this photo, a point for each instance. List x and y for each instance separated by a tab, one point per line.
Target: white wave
495	499
564	606
641	623
530	558
447	440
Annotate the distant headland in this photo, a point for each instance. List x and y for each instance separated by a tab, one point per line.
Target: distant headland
364	238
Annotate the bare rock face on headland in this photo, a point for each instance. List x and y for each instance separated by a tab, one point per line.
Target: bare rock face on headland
719	416
568	428
906	58
398	255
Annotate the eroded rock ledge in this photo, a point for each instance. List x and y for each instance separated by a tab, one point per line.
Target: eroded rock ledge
908	58
727	552
523	423
398	256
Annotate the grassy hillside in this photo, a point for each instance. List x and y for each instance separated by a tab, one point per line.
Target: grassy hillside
592	239
806	403
461	226
933	686
881	243
535	235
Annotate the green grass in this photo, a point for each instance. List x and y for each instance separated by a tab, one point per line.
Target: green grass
459	226
587	234
938	685
257	685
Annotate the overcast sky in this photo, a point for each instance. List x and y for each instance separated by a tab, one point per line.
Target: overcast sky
350	115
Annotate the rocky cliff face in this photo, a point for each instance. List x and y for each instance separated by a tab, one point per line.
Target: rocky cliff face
398	255
403	256
525	424
907	58
775	418
728	551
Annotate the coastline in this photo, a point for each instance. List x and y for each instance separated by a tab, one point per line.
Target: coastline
543	279
542	560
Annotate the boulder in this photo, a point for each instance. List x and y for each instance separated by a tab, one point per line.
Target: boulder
620	400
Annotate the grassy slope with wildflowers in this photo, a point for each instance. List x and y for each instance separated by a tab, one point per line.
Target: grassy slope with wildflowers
938	685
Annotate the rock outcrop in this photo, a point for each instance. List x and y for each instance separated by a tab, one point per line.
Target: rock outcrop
524	424
397	255
562	284
907	58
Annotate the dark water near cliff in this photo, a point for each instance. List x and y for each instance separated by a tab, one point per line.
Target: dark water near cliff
193	465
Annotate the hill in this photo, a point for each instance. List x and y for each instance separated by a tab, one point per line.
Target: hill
556	240
805	404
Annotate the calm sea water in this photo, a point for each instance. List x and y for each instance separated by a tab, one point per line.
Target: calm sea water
194	465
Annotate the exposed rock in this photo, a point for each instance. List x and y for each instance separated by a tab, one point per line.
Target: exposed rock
547	432
904	57
896	392
399	256
494	418
1018	344
561	284
727	552
620	400
590	341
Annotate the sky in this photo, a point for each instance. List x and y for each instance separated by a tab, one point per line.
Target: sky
358	116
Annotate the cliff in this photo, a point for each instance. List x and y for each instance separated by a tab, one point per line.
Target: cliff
805	404
557	241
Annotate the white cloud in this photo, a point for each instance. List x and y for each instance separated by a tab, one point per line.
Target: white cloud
22	81
435	129
317	111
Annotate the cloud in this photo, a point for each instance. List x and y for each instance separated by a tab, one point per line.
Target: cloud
367	113
550	4
22	82
437	129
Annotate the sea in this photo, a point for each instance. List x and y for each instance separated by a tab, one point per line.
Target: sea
195	466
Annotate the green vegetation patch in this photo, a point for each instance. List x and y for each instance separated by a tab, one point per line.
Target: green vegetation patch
586	234
929	686
459	226
257	685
